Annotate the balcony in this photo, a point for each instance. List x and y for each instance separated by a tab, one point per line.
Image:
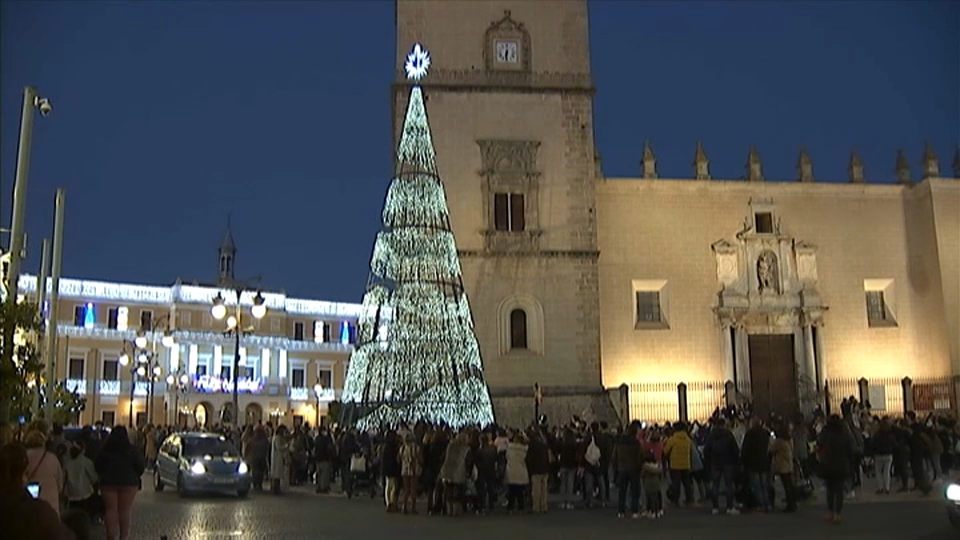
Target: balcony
299	394
77	385
109	388
307	394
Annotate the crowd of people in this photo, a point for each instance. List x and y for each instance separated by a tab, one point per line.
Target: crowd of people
747	463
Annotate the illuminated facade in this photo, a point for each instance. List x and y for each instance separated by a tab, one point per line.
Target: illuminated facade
299	344
579	282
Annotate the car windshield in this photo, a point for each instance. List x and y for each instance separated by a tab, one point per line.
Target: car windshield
208	446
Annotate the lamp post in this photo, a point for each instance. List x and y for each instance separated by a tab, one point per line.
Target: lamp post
132	357
318	389
145	363
235	327
178	384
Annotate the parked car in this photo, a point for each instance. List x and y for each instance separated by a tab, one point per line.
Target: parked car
201	463
952	494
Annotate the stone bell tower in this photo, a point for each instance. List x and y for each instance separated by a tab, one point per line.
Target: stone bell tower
510	105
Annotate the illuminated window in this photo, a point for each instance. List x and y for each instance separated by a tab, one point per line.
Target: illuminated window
89	316
508	212
319	329
348	333
518	329
123	318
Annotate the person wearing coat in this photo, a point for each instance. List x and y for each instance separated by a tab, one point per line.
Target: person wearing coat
835	455
627	460
781	464
280	461
257	455
119	466
411	465
721	456
44	467
516	477
755	454
538	466
453	474
678	450
390	470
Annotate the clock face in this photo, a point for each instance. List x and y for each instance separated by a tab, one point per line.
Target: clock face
506	51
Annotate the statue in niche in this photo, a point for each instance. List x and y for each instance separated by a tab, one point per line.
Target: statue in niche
767	272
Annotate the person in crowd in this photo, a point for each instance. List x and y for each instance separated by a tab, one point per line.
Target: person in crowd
486	467
651	475
517	476
119	467
884	444
390	470
571	454
280	461
323	454
44	469
453	474
24	517
781	464
627	459
834	454
538	466
411	466
257	455
150	445
755	455
677	451
920	453
721	458
349	448
81	480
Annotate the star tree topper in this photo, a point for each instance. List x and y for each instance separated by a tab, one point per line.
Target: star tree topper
418	61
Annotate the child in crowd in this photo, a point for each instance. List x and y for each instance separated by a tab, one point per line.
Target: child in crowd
651	474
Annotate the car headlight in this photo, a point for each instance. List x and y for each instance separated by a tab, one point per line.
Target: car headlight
953	492
198	468
242	469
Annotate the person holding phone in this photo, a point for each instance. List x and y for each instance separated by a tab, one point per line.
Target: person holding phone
44	468
36	519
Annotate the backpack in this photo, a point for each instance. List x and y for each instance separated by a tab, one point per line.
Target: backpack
592	455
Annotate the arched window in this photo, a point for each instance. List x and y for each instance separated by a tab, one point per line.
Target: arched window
518	329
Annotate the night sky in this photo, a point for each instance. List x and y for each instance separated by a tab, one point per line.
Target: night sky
170	116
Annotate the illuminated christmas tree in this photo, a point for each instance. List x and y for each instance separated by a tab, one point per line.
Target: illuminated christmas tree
416	356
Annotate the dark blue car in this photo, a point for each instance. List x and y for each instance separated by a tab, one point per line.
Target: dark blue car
201	463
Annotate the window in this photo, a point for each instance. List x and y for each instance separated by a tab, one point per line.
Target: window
518	329
763	222
651	304
246	373
648	306
879	296
275	325
123	318
201	370
319	328
109	418
326	333
113	318
326	378
146	319
79	314
76	368
185	318
298	378
111	370
207	320
298	331
226	373
508	212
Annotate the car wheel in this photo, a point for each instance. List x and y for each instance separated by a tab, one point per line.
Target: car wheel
157	481
181	488
242	493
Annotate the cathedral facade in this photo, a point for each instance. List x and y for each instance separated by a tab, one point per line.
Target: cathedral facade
608	293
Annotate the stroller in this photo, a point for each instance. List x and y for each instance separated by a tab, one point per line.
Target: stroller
363	475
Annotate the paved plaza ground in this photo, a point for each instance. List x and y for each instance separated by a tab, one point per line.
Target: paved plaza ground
300	514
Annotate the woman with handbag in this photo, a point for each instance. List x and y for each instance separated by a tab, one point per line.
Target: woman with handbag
44	468
120	466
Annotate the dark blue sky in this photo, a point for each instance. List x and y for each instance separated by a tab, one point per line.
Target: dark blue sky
170	115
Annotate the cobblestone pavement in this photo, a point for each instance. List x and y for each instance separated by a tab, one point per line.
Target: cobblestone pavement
300	514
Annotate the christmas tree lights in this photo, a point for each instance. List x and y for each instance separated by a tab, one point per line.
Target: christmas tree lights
416	356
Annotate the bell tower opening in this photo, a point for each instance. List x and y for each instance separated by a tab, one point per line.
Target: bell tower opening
227	254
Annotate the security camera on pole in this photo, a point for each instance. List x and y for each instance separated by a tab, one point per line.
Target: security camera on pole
30	102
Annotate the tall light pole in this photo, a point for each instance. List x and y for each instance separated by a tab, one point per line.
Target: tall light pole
177	383
236	328
18	216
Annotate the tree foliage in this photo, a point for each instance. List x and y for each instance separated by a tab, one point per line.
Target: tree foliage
20	330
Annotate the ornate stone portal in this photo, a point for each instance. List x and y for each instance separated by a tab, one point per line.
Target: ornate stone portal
769	303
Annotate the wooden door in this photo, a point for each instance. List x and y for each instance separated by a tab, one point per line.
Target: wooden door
773	375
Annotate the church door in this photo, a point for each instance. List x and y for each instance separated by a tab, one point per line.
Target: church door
773	375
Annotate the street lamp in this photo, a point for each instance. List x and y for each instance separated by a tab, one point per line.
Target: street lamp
235	327
178	383
147	364
318	389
